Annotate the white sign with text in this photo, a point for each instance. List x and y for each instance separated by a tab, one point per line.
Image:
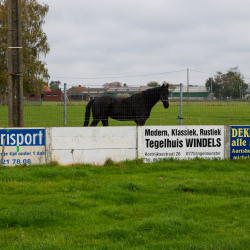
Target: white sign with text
183	142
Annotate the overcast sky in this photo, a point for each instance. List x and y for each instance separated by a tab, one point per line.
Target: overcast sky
138	41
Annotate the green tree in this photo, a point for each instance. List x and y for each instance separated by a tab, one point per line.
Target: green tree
234	85
153	84
214	86
35	46
54	85
228	85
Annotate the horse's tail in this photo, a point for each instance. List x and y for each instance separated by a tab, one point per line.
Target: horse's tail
87	113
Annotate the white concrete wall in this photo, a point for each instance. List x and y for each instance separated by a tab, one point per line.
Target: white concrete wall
91	144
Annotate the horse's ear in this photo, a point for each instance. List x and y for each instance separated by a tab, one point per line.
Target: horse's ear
164	85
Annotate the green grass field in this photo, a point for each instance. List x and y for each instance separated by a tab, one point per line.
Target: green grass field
172	204
51	114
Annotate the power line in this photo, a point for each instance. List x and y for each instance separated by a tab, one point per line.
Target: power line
210	73
131	76
202	72
95	78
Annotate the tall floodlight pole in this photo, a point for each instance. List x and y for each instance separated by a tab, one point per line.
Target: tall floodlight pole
15	67
187	85
211	84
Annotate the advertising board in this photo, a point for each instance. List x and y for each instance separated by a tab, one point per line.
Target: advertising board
239	142
22	146
183	142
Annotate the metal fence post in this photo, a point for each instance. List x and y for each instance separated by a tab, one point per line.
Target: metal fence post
187	85
180	104
65	105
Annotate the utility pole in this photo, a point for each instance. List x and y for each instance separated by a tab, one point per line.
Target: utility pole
65	104
15	67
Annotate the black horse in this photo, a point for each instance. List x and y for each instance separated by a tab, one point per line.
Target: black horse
134	108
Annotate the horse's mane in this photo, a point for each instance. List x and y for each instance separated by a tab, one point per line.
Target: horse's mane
147	92
151	91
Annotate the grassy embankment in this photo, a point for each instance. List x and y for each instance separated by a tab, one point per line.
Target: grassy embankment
51	114
196	204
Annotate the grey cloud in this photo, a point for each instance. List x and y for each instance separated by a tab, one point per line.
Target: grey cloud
134	37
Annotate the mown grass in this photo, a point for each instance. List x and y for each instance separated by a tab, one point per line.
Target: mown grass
171	204
51	114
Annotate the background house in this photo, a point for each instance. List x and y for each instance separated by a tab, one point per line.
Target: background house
36	96
52	96
76	94
112	85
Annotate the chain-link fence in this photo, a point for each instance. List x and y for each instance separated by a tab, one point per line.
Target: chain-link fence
199	107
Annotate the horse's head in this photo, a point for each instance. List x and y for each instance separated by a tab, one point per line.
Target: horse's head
164	95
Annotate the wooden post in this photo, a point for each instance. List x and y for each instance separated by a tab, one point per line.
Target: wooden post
15	67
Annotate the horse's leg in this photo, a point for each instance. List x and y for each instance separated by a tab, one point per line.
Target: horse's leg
94	123
105	122
141	122
144	121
